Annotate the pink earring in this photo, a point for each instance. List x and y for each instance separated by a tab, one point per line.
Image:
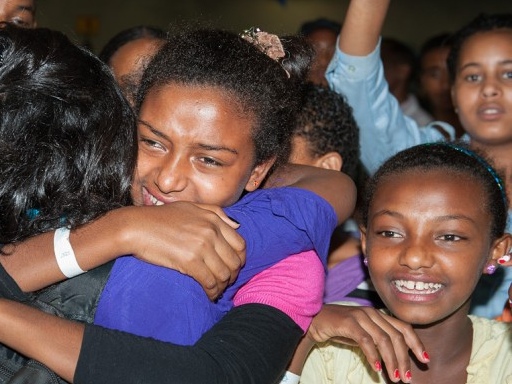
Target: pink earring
490	269
365	261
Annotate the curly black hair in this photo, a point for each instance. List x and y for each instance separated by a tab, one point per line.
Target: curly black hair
67	135
327	124
454	157
482	23
259	86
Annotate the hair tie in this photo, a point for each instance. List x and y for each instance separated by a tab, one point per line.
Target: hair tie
267	43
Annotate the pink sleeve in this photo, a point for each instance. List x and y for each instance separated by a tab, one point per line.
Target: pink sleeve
295	286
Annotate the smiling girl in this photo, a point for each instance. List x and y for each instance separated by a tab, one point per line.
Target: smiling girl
433	222
480	67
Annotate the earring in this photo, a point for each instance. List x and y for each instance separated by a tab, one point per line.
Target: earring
365	261
503	259
490	269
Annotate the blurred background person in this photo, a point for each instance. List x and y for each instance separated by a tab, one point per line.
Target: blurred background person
127	54
19	12
400	68
434	90
321	34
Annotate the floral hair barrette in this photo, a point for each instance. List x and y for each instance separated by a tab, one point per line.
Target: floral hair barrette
266	42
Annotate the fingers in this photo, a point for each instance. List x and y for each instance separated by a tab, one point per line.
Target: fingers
394	339
220	212
193	240
385	341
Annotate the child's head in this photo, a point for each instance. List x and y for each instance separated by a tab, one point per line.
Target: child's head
434	220
128	52
326	134
480	64
229	105
322	35
67	135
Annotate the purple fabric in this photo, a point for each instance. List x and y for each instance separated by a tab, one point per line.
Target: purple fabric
343	278
156	302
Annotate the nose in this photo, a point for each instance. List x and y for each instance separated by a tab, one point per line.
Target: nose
490	88
171	174
416	255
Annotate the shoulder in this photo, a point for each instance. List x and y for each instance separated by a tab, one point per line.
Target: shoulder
491	352
337	363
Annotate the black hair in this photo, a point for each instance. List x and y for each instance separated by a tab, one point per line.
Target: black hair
482	23
67	135
327	124
259	86
128	35
452	157
309	27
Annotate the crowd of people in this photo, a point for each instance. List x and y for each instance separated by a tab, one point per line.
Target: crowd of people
204	206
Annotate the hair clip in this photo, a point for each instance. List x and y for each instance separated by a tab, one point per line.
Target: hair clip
266	42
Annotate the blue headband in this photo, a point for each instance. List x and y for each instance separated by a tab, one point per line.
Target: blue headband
484	163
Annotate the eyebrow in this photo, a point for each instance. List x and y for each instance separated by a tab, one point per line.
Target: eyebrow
208	147
24	7
474	64
386	212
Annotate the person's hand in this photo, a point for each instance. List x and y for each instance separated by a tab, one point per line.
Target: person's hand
382	338
197	240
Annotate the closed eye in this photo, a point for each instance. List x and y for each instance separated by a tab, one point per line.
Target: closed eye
151	143
210	162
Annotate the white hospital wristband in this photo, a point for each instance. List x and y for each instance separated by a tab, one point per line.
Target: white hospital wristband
64	253
290	378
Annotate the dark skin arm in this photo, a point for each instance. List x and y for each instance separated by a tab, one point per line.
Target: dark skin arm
181	236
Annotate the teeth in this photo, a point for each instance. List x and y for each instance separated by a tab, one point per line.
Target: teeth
417	287
490	111
155	201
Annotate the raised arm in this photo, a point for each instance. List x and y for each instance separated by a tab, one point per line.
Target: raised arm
356	72
362	26
181	236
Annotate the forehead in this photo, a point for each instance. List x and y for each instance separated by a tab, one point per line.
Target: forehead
132	55
15	5
456	187
495	43
214	106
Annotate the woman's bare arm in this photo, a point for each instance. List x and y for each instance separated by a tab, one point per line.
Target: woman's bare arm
334	186
362	26
182	236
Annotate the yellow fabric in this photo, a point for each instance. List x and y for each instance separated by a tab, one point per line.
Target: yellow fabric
491	359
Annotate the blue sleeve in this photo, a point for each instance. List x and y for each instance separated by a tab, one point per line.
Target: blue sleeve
384	129
279	222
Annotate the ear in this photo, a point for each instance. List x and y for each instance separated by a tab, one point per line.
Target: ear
362	230
258	174
501	247
331	160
